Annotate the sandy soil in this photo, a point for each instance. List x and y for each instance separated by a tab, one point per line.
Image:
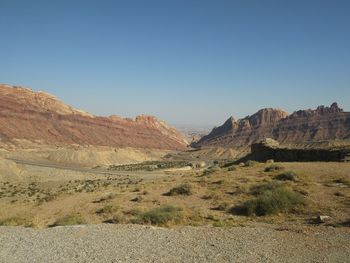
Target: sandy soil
88	156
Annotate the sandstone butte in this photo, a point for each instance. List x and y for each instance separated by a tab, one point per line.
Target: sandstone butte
303	126
41	117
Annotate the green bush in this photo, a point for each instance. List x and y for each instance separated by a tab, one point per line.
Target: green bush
70	220
270	199
159	216
287	176
183	189
262	188
274	168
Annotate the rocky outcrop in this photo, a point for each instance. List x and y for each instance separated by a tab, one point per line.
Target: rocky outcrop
269	149
305	126
242	133
324	123
38	116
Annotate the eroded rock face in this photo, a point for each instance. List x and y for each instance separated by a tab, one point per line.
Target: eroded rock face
269	149
324	123
304	126
38	116
245	131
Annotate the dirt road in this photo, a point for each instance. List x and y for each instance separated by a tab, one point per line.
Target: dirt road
99	171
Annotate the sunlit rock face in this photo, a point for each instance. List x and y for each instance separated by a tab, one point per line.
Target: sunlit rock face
304	126
38	116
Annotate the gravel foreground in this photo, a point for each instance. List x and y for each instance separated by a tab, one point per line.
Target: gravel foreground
133	243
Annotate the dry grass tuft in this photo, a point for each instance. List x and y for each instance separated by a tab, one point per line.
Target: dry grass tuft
70	220
159	216
16	221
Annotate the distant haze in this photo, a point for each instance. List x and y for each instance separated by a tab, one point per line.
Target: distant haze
186	62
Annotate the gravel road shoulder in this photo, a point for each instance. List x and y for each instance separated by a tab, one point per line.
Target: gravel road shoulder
133	243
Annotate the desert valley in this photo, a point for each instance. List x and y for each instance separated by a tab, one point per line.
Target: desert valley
174	131
272	172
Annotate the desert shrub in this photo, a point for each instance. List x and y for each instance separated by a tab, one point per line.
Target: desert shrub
183	189
159	216
274	168
105	198
211	195
342	181
46	198
250	163
218	182
207	196
133	212
116	219
211	217
262	188
270	200
218	223
222	207
16	221
69	220
338	193
286	176
108	209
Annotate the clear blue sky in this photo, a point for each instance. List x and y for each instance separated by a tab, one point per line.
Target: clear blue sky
187	62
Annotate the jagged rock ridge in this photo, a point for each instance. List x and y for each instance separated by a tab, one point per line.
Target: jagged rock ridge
304	126
38	116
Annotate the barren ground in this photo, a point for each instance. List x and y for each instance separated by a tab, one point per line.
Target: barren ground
200	225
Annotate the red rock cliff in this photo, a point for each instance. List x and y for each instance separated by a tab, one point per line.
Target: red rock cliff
38	116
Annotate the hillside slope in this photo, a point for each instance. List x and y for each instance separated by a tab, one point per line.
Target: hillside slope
38	116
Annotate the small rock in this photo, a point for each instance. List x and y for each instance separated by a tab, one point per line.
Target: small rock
322	219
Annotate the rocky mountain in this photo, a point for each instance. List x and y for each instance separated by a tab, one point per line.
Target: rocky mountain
322	124
40	117
304	126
